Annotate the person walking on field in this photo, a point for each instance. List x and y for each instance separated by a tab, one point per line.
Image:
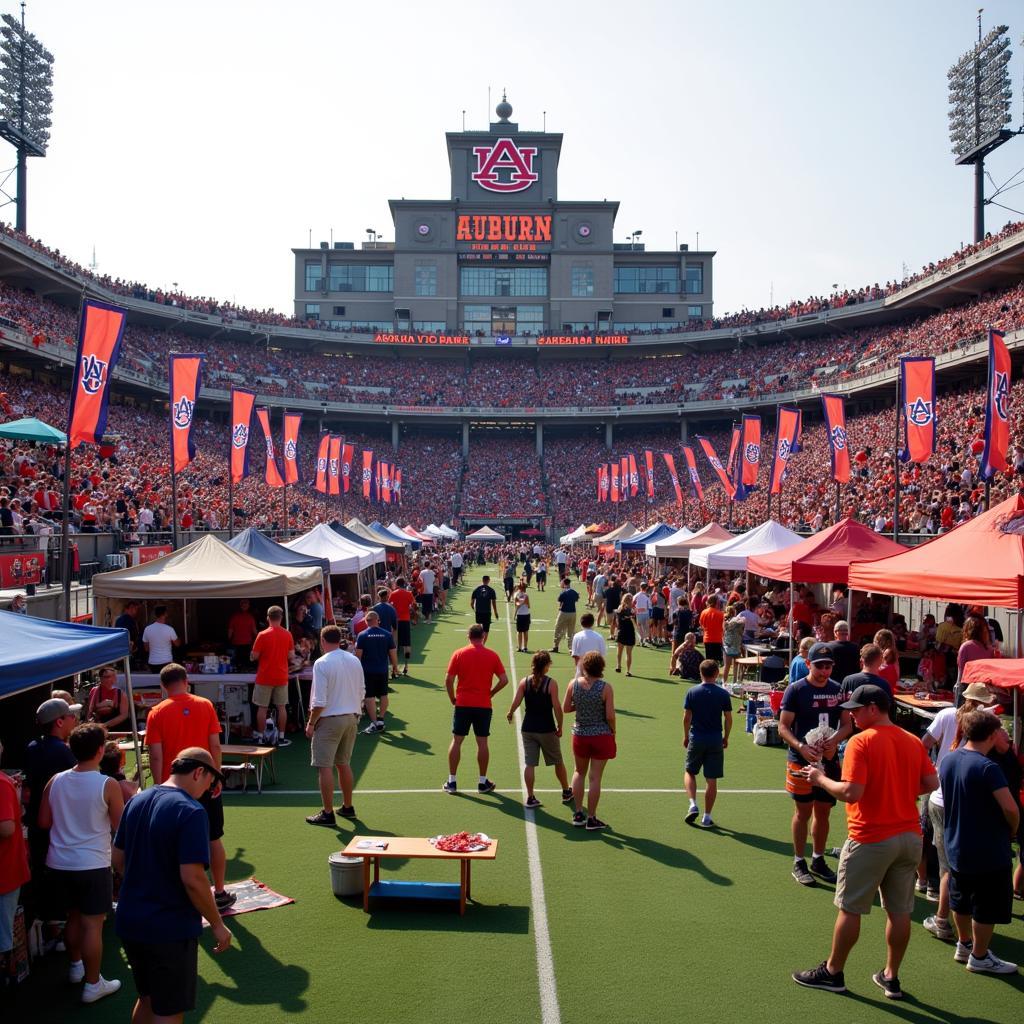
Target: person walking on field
402	600
565	624
522	606
707	722
542	726
625	636
591	699
485	603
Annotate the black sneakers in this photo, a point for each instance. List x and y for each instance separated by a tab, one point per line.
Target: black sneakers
532	801
803	876
594	824
347	811
450	788
822	870
890	986
566	796
322	818
579	819
821	977
485	787
225	899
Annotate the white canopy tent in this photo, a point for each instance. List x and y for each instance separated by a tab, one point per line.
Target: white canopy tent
485	533
580	533
622	532
448	533
680	545
433	531
346	557
733	553
675	538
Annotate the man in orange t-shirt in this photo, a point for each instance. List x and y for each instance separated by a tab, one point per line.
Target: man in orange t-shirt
270	651
474	667
885	770
402	600
712	622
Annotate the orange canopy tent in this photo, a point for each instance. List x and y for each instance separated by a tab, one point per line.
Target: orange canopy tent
1006	673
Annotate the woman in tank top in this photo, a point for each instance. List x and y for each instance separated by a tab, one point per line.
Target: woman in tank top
593	735
542	725
625	636
522	604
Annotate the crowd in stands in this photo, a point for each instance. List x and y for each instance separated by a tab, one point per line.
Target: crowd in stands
503	476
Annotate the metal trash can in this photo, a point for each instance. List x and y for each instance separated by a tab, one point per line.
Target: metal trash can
346	874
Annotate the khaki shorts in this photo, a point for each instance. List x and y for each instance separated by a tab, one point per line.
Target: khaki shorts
264	696
889	866
536	742
937	815
333	740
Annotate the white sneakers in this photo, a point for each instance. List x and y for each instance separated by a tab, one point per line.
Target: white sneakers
76	972
990	964
103	987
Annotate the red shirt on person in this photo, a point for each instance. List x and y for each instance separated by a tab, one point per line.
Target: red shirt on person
402	601
14	870
474	668
712	621
242	628
273	646
183	720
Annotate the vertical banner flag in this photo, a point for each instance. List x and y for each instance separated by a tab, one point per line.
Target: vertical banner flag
185	375
716	464
292	423
838	441
917	391
649	471
691	469
615	482
347	452
623	478
634	477
748	457
396	485
99	346
385	483
242	402
323	453
367	473
273	472
606	482
334	465
799	430
787	423
670	461
600	482
997	411
731	466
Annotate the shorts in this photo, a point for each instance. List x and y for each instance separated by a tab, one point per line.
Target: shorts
713	651
264	696
802	791
600	748
376	684
888	866
643	618
89	892
334	739
427	604
937	816
548	743
165	973
478	718
405	633
657	615
8	908
522	623
214	808
987	896
709	755
485	621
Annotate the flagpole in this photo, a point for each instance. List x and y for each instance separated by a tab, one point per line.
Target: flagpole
65	568
838	502
174	504
284	504
896	468
231	500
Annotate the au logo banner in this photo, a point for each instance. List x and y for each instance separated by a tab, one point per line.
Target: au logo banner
272	474
917	391
997	413
322	458
242	403
691	469
184	374
670	462
786	426
334	466
99	347
292	423
749	457
838	439
716	464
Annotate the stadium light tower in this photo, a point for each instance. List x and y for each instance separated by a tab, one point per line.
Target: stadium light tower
26	99
979	108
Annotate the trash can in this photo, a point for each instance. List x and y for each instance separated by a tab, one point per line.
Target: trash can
346	874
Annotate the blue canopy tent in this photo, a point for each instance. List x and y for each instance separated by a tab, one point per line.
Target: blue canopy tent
385	534
38	651
649	536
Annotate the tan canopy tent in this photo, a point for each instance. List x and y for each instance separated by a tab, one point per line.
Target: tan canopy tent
623	532
671	547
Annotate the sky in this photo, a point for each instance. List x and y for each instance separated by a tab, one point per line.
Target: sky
806	143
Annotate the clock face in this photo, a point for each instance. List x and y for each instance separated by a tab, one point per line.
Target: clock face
583	231
423	229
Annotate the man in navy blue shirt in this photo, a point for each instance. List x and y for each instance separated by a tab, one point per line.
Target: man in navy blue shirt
388	618
162	850
981	816
705	738
565	624
375	648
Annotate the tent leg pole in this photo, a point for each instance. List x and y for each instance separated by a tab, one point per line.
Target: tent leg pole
849	606
284	604
135	724
792	624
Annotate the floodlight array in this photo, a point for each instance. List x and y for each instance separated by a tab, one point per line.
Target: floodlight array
980	93
26	82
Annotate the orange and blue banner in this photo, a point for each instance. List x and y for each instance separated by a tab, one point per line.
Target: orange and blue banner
292	425
334	465
396	484
649	471
184	372
838	439
691	469
670	462
623	477
385	483
787	426
731	466
272	475
634	477
600	482
99	346
716	463
242	403
347	454
917	391
748	457
323	453
997	407
615	482
367	474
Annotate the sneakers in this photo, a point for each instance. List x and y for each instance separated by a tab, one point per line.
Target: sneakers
282	742
225	899
820	976
532	801
322	818
595	824
804	877
405	671
579	819
485	787
987	964
890	986
939	928
76	972
347	811
450	788
921	887
566	796
706	822
932	895
963	951
692	814
103	987
822	870
371	729
554	650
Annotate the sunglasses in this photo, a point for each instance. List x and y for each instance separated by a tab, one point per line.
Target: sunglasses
822	664
191	764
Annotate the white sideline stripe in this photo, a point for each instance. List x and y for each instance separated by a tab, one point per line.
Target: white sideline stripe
274	791
549	1011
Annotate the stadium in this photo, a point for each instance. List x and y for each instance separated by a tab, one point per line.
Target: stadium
503	362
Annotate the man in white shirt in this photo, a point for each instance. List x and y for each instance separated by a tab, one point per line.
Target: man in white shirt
427	578
335	702
456	567
587	639
159	638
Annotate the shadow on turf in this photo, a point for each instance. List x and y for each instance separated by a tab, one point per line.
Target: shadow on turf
927	1013
424	915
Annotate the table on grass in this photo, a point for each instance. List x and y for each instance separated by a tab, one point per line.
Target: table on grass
257	754
923	707
414	849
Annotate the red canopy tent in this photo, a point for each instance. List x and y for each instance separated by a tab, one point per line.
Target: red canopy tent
1006	673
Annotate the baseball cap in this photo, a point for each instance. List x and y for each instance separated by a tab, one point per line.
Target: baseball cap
54	708
197	757
820	652
866	694
980	692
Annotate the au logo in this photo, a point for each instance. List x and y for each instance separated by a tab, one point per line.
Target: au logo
323	463
270	448
504	167
838	438
1000	393
366	476
784	448
94	374
693	475
920	412
289	450
183	413
240	435
716	462
752	452
345	468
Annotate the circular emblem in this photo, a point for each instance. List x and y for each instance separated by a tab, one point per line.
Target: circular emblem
289	450
838	438
182	413
752	452
784	448
321	465
240	435
584	231
366	476
423	229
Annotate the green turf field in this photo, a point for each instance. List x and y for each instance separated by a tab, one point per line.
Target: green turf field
652	920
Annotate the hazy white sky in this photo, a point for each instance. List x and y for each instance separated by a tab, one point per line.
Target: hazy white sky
805	141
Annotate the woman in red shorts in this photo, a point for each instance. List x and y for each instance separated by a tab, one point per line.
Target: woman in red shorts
593	735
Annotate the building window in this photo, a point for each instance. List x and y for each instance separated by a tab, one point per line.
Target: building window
314	282
668	312
362	325
476	318
338	310
529	319
647	280
312	310
426	278
430	326
582	280
694	278
500	282
352	277
695	312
